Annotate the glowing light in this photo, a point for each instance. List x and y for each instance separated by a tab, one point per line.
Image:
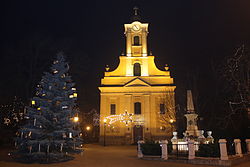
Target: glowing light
88	128
76	119
125	118
64	107
70	134
104	120
33	102
71	96
73	88
75	95
171	121
38	108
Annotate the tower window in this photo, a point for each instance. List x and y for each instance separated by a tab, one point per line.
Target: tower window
137	108
137	69
136	40
112	109
162	108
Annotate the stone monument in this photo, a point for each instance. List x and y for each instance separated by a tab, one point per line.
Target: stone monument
192	128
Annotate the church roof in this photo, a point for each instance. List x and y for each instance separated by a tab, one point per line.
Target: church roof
137	82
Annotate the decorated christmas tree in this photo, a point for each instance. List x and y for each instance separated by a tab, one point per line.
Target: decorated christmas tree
51	131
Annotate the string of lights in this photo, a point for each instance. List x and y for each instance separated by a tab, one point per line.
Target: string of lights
125	118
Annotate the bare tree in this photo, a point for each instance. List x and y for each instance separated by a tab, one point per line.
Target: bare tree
236	72
167	113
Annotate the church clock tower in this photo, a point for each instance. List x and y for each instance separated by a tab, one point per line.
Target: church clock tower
137	97
136	37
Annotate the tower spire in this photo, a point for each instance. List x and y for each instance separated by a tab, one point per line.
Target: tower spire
190	104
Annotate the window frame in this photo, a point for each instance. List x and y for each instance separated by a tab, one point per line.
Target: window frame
137	69
136	40
162	108
112	109
137	107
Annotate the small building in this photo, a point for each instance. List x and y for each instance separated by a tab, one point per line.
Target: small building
136	87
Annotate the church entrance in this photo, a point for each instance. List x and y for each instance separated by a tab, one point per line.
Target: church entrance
138	133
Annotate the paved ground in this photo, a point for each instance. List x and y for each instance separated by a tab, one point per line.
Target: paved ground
99	156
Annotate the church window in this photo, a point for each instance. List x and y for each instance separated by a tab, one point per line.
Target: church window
162	108
112	109
137	69
136	40
137	108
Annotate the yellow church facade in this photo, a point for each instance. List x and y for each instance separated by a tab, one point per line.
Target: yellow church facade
136	98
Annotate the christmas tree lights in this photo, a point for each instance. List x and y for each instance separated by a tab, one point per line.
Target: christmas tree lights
50	133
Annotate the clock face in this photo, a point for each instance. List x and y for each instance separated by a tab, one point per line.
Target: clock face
136	27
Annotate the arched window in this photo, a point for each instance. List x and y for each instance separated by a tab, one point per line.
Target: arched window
137	69
137	108
136	40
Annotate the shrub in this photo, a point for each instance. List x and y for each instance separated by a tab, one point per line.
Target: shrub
151	148
170	148
230	147
244	147
209	150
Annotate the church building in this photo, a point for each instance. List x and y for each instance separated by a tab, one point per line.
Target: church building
137	99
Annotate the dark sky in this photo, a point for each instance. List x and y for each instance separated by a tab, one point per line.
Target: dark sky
187	35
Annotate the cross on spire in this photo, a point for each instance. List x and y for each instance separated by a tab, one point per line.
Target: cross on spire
136	10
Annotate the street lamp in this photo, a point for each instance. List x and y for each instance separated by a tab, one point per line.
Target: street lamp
88	128
87	133
104	133
171	123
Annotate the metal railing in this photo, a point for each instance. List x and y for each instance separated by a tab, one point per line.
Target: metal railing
179	151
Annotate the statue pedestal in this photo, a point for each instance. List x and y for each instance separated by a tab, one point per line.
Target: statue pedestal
192	128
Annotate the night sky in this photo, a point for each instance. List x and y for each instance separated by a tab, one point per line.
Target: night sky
189	36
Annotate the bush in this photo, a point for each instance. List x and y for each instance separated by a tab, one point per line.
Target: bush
151	148
244	147
209	150
231	147
170	148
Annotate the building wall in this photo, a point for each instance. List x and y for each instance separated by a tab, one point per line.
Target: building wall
118	132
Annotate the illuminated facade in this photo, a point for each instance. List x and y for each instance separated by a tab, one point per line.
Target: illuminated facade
135	87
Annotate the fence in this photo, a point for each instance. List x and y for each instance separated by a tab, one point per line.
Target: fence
179	151
188	149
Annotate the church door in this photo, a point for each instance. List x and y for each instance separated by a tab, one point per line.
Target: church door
138	133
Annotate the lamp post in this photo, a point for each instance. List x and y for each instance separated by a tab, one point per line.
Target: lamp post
88	134
104	132
88	128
